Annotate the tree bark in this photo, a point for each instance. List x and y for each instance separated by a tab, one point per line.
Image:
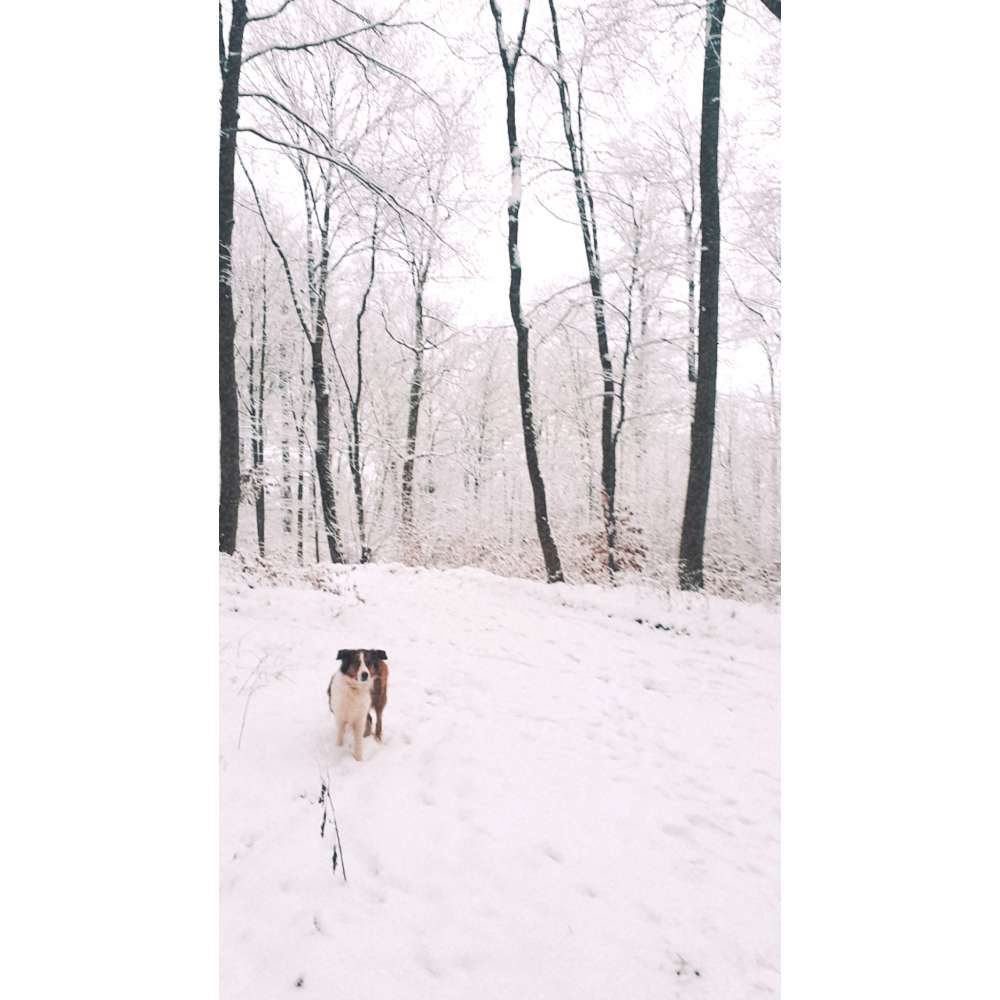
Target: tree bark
509	58
231	61
258	430
588	227
354	399
413	410
692	548
315	518
328	502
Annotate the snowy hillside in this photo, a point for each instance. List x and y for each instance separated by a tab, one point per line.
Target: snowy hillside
568	803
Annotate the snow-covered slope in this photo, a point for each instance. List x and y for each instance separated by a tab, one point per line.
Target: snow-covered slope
568	803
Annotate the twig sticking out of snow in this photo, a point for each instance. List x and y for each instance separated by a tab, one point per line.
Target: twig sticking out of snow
326	801
254	681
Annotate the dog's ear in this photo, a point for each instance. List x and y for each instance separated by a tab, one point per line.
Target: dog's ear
342	654
379	654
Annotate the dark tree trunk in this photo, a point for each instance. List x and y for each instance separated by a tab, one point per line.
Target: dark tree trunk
413	411
300	436
328	501
588	227
692	549
509	59
315	517
321	392
354	446
259	429
229	416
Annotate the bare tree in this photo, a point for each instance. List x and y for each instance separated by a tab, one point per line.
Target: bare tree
692	548
429	159
314	323
510	53
232	61
230	65
424	427
256	383
354	398
588	227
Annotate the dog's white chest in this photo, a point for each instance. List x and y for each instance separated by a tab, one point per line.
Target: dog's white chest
349	701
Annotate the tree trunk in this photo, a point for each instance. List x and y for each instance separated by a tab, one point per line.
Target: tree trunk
692	548
509	57
259	421
321	392
413	416
354	447
328	501
588	227
300	499
315	517
229	415
284	385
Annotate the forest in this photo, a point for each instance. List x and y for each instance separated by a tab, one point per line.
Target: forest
499	287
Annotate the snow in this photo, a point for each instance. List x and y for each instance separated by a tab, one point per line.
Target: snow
568	803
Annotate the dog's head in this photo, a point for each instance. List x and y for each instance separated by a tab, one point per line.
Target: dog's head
360	665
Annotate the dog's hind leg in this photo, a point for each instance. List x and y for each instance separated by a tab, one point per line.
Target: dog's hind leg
378	724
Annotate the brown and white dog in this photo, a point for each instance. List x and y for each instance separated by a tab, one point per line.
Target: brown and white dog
361	684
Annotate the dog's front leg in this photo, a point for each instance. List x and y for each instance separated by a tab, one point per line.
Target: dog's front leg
359	746
341	729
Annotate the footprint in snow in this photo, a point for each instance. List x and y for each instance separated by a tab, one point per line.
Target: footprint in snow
551	852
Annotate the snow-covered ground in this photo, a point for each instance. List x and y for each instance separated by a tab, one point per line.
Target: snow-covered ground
568	803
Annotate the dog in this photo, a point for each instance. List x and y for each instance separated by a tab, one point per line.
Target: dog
379	666
361	683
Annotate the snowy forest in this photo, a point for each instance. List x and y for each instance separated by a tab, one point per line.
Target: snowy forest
499	287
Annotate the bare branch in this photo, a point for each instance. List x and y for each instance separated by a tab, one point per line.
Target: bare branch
277	246
509	62
288	111
336	40
267	17
348	168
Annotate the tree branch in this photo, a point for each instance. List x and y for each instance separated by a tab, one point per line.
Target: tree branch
277	246
288	111
267	17
343	165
